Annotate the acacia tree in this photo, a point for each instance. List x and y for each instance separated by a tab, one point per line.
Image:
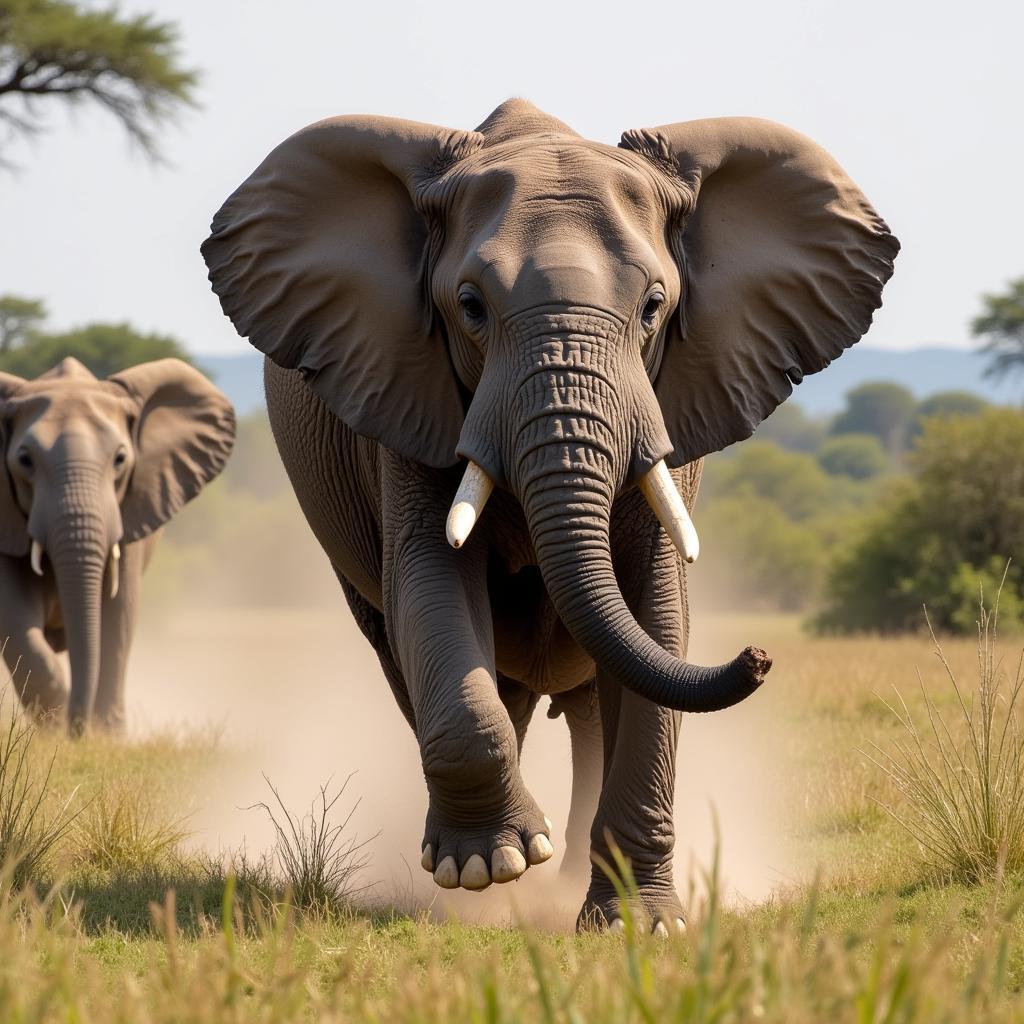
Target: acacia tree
18	319
1001	329
59	49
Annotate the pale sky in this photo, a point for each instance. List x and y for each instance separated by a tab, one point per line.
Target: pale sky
922	102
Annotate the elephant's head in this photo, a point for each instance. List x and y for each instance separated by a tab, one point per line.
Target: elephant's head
89	465
565	316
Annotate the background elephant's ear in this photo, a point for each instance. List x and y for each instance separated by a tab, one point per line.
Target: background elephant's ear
783	262
320	259
183	436
14	539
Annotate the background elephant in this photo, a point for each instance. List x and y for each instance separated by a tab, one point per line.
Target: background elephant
569	318
92	469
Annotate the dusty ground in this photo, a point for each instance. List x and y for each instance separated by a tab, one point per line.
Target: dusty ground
299	696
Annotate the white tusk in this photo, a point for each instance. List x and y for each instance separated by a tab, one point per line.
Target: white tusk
661	494
115	569
469	502
37	558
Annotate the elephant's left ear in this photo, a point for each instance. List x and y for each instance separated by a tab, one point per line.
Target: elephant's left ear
14	539
184	434
783	261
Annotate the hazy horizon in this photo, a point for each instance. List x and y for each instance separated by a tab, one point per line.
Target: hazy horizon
910	99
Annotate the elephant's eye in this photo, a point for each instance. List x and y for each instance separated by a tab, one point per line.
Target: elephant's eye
473	311
652	307
24	459
120	459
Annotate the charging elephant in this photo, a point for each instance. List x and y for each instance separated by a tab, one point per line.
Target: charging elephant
567	328
92	470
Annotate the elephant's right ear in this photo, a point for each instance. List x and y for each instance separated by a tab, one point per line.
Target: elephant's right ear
320	257
14	539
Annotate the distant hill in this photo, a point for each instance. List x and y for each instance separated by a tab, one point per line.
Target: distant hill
924	371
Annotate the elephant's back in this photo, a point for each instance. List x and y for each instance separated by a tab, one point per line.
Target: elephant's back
335	475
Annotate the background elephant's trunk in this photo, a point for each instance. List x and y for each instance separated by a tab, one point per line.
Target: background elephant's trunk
78	545
567	487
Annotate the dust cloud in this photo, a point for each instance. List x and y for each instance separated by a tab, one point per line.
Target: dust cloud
297	694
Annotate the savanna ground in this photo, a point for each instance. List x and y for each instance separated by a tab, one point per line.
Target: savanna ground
823	908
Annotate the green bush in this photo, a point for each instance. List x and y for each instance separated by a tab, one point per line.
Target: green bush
938	535
882	408
860	456
768	519
791	428
946	403
103	348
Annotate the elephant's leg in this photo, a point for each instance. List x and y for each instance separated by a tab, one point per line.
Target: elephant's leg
119	617
583	716
635	810
36	671
482	824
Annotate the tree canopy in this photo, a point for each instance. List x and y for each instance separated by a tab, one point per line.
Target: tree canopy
946	403
103	348
860	456
27	350
18	319
62	50
952	524
882	408
1000	328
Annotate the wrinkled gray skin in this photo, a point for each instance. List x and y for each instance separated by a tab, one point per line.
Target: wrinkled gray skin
89	464
564	314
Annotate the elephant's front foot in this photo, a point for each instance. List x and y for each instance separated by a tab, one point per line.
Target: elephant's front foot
654	905
469	844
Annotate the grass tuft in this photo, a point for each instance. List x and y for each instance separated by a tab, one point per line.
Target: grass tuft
318	861
30	827
122	832
961	774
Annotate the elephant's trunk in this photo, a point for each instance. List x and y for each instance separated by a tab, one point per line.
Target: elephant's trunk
78	547
568	468
569	518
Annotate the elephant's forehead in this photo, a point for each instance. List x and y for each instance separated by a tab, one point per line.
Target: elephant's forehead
58	407
562	221
578	184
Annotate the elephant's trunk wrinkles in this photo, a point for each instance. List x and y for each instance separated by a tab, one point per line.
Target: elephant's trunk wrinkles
566	487
78	549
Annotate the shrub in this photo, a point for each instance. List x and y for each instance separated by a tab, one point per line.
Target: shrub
881	408
860	456
318	860
791	428
946	403
955	521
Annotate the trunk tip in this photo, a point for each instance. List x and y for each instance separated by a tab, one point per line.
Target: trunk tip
755	664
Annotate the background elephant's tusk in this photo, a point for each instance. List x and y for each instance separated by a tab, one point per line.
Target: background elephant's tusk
661	494
115	569
37	558
469	502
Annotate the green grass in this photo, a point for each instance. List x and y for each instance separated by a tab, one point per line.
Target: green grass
123	923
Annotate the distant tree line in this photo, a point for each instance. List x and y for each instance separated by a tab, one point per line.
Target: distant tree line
28	350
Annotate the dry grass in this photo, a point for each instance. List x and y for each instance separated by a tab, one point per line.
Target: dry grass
121	830
318	860
876	938
961	776
30	827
